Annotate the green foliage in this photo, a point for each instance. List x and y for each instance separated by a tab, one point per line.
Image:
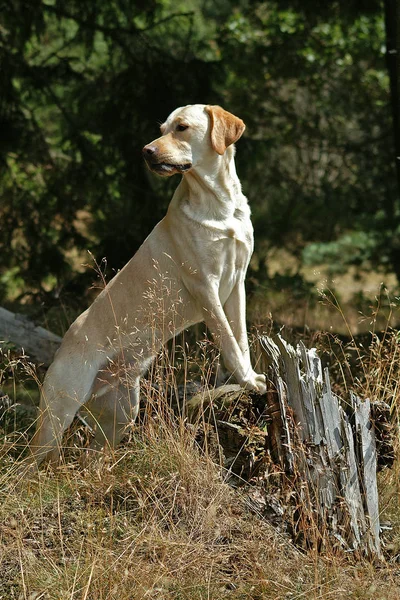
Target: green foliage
321	120
356	247
83	86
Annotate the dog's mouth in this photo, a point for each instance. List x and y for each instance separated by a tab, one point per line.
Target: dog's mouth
168	168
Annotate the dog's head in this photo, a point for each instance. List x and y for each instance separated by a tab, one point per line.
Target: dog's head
191	137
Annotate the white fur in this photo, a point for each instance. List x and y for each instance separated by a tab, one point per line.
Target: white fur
191	268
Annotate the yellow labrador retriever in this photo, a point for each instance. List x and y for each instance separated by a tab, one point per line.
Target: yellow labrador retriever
191	268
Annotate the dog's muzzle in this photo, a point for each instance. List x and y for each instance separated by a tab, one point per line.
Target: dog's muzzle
156	164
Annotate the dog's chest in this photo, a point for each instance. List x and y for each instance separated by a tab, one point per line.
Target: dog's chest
233	250
217	251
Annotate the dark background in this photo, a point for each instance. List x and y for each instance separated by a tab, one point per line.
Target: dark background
84	85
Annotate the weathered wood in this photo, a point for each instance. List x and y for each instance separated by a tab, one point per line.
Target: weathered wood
312	458
334	453
36	342
350	484
368	466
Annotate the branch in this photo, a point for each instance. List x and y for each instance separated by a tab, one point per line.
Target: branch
114	32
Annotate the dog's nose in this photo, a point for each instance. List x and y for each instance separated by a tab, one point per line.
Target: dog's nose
149	150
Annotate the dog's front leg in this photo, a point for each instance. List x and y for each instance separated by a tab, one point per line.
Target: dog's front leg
233	355
235	310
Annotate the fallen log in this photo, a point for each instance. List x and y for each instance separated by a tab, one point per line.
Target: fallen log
37	342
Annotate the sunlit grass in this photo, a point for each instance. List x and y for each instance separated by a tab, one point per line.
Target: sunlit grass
156	519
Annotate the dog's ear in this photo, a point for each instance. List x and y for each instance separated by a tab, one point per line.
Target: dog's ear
226	129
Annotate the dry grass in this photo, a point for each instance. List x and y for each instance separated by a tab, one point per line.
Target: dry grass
156	518
297	306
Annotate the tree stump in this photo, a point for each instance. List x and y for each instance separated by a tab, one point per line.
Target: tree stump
318	451
332	446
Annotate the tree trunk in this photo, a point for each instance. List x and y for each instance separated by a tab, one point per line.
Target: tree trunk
392	26
36	342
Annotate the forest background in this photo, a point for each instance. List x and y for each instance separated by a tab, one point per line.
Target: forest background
84	85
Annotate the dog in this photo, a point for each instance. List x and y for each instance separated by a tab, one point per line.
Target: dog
191	268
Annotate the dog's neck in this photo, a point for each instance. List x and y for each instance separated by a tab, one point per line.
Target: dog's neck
212	190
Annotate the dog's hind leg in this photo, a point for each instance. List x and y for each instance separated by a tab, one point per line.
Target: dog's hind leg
67	386
114	404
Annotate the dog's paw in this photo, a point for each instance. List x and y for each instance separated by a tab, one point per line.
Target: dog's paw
256	382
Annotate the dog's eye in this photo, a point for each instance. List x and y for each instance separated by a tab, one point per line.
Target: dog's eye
181	127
